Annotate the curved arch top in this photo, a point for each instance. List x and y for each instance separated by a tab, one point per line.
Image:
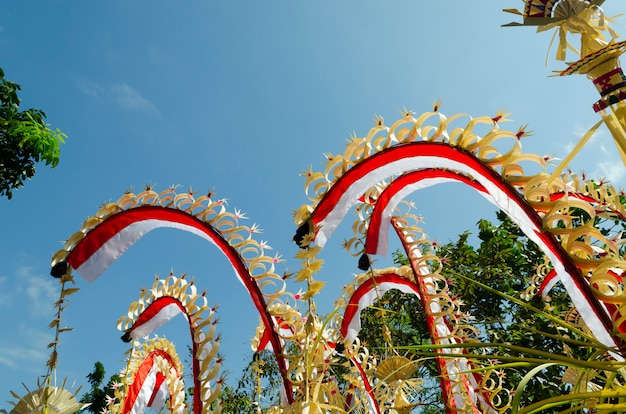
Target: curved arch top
366	294
108	241
441	159
115	235
414	156
148	388
396	191
103	244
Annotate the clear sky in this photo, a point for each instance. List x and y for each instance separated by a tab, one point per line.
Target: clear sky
239	98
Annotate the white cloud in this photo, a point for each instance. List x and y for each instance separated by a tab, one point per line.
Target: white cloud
35	293
123	94
27	351
90	88
128	97
611	166
18	356
601	149
613	171
579	133
27	298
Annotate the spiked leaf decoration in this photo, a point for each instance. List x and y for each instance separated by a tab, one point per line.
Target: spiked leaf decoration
166	299
44	400
154	374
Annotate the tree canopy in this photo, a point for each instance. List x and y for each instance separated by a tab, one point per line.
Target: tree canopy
100	393
25	139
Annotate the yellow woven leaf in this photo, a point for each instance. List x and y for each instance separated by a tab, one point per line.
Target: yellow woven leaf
308	253
70	291
315	266
67	277
303	275
314	288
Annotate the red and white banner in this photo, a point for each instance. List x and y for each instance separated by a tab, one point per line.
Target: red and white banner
423	155
398	190
146	390
366	295
157	314
106	242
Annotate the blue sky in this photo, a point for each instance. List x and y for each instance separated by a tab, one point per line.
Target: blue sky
239	99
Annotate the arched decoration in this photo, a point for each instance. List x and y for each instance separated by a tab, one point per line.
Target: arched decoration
396	160
158	305
371	172
117	226
356	299
373	176
375	173
458	388
385	204
387	201
154	372
367	293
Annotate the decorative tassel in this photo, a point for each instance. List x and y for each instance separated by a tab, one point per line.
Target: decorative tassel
59	269
301	233
364	262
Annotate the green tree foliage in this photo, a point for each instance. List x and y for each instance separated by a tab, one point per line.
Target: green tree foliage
25	139
257	389
98	394
505	260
